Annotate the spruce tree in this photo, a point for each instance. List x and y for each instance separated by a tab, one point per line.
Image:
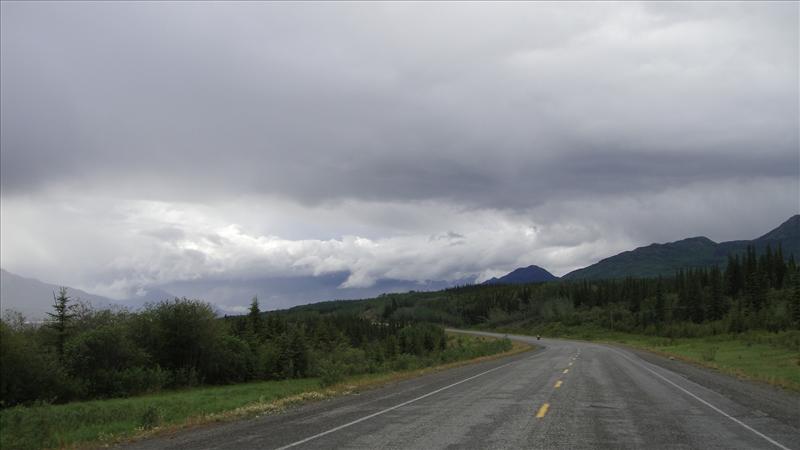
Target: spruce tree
733	276
715	302
60	318
254	319
696	300
795	303
779	265
660	310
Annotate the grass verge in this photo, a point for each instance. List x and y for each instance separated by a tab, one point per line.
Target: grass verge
773	358
99	423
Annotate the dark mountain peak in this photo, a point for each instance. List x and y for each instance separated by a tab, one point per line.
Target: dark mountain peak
523	275
531	268
688	243
697	241
787	230
699	251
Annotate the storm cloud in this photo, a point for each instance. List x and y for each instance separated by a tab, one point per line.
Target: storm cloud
148	143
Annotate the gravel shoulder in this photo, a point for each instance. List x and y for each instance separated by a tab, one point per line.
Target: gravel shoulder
776	402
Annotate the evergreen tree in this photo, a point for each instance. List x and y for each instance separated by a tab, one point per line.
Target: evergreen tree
795	302
791	266
737	324
767	267
660	307
715	301
780	268
696	300
756	291
60	319
254	320
733	275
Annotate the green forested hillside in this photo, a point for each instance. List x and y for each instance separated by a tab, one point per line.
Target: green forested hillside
666	259
751	292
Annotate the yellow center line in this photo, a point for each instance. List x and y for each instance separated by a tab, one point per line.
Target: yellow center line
558	384
566	370
543	410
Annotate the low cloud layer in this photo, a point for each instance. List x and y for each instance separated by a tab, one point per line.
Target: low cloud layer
148	143
114	247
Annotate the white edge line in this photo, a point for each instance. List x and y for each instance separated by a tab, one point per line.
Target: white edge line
332	430
765	437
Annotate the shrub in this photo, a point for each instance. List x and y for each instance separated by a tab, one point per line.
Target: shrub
178	334
231	361
107	360
29	372
709	353
331	372
141	380
151	418
185	377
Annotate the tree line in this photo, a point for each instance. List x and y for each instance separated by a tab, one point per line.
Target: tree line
84	353
752	292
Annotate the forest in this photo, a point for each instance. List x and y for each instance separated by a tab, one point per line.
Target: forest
754	291
82	353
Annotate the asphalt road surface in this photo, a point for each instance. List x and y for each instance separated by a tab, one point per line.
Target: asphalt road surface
566	394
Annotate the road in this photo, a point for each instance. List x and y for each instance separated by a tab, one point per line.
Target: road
566	394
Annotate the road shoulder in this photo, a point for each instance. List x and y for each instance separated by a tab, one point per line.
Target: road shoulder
763	399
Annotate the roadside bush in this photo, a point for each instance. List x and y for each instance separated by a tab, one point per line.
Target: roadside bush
265	362
141	380
422	338
180	335
29	372
151	418
331	372
185	377
709	353
231	361
104	358
293	354
405	362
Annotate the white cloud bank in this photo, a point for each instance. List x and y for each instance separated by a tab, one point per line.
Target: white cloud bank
114	247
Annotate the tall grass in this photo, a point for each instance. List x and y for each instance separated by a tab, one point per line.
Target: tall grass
107	421
757	355
46	426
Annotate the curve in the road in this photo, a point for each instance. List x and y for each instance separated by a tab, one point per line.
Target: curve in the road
568	394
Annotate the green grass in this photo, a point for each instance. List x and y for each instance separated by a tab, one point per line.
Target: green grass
47	426
742	357
101	422
773	358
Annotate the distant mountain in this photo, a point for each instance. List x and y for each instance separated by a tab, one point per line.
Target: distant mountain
232	296
524	275
666	259
144	296
34	298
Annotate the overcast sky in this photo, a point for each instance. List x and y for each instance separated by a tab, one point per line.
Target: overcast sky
154	142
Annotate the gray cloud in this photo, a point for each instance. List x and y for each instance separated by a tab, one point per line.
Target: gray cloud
596	126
